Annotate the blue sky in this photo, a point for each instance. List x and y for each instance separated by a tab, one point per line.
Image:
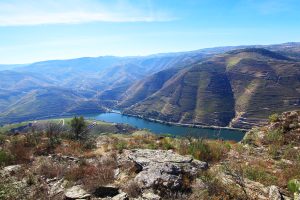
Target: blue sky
32	30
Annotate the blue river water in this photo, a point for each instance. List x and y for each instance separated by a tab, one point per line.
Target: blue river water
159	128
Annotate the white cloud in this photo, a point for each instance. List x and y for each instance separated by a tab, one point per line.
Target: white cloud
37	12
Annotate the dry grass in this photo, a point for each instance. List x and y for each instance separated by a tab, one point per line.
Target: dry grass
93	175
70	147
49	169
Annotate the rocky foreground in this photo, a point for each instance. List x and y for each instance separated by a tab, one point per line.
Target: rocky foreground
265	165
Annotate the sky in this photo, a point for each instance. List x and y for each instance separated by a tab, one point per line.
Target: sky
35	30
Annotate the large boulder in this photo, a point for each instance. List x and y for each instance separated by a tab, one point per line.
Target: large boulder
162	167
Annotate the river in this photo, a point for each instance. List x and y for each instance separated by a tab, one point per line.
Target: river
159	128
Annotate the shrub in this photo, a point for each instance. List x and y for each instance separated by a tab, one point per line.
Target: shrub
75	173
20	151
53	131
217	150
294	186
93	176
5	158
99	175
199	149
33	139
274	117
89	143
31	180
167	143
205	150
50	169
78	127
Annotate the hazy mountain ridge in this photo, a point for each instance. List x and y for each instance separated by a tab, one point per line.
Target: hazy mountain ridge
199	86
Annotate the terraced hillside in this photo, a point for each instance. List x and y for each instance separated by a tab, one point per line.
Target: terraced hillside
238	89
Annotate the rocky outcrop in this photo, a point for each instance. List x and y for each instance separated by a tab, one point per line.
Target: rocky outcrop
162	167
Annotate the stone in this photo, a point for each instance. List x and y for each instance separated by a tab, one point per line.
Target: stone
57	187
116	173
146	156
296	196
199	184
76	192
150	196
165	173
162	167
10	170
274	193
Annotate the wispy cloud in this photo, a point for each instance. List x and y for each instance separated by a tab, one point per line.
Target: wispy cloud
33	12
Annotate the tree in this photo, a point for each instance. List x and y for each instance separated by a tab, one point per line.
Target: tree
78	127
53	131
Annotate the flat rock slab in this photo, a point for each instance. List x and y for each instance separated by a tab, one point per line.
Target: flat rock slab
12	169
162	167
146	156
76	192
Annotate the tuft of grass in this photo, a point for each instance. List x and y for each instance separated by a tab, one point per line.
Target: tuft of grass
274	118
206	150
121	145
166	143
274	137
259	174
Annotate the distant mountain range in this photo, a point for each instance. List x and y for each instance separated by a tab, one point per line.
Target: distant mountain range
224	86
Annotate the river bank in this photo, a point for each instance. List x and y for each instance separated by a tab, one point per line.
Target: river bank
178	124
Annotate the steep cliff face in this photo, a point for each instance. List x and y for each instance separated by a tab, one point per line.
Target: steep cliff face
239	88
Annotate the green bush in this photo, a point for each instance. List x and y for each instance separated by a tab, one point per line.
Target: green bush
5	158
294	186
78	126
274	118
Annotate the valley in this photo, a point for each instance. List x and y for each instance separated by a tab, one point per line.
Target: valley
234	87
